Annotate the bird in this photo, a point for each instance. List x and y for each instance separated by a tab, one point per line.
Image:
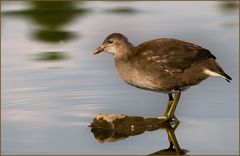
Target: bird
164	65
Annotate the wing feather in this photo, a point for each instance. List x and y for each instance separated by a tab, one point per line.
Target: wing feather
171	55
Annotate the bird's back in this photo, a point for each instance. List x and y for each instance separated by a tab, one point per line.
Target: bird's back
171	54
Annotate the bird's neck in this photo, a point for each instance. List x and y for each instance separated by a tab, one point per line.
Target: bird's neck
125	52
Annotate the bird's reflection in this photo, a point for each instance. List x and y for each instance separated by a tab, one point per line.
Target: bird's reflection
115	127
174	148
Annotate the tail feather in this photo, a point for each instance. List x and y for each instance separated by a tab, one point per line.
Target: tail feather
226	76
213	69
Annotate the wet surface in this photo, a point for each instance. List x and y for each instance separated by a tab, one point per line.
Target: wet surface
47	104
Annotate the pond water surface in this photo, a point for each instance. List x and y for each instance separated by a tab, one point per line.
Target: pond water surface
52	85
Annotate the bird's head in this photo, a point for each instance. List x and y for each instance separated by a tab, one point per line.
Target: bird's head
116	44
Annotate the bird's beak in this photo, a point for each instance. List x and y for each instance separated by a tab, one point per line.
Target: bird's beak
99	49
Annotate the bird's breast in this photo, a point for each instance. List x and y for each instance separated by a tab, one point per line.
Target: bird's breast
136	77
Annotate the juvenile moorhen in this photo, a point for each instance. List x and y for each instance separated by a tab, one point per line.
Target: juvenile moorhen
162	65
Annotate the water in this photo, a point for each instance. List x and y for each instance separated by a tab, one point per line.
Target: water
52	85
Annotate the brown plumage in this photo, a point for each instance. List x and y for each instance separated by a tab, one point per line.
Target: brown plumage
161	65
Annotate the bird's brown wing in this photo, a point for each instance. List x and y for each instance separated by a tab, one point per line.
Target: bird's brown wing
171	54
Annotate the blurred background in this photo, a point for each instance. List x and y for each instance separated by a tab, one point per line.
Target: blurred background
52	86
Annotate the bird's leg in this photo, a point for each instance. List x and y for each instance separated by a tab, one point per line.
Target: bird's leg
170	113
171	107
170	101
170	97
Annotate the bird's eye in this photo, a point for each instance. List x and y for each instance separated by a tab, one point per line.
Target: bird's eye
110	41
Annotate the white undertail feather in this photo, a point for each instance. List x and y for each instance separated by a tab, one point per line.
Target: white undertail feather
211	73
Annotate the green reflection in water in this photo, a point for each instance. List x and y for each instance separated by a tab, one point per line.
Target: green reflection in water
50	17
229	7
122	10
54	36
54	14
51	56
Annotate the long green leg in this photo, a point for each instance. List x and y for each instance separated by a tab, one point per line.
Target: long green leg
170	101
171	107
170	111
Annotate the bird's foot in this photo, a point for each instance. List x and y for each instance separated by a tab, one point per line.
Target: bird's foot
164	118
171	120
